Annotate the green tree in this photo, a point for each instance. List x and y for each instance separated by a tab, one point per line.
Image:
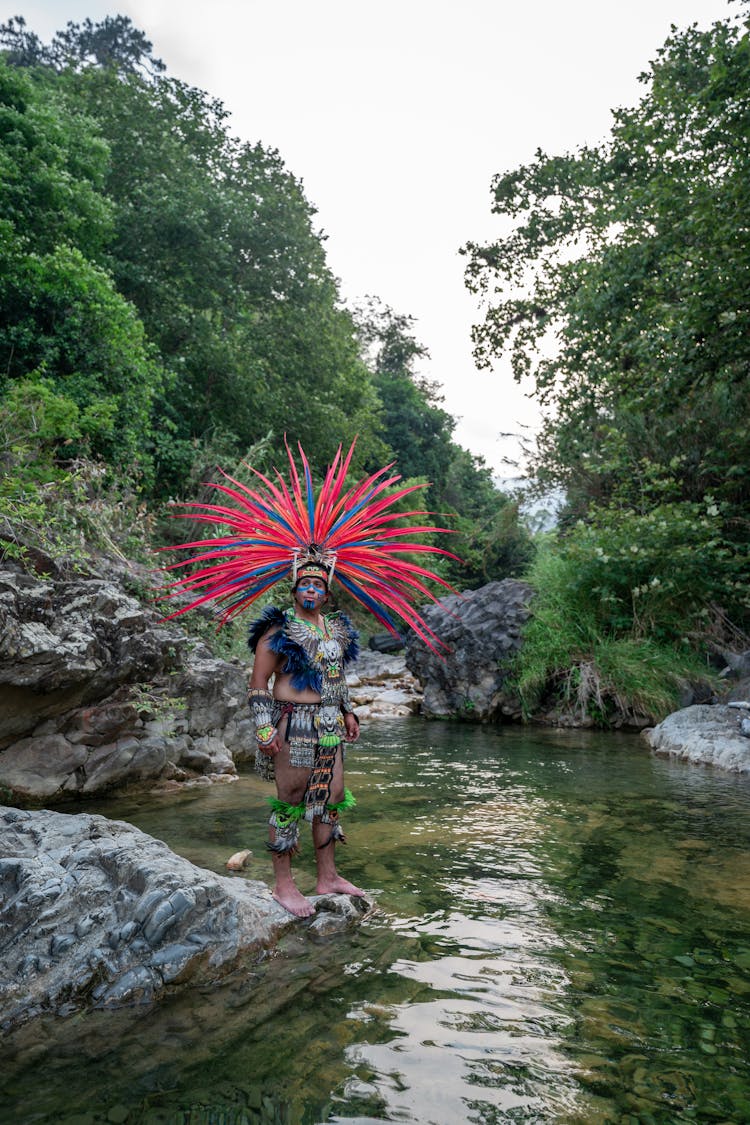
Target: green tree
624	291
60	313
490	539
114	42
417	428
215	245
52	168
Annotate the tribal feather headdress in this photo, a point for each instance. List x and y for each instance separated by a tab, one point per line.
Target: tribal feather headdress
276	529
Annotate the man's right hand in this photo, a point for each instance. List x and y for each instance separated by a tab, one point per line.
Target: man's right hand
272	747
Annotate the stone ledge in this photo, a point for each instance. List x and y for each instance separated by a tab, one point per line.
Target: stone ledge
95	913
708	735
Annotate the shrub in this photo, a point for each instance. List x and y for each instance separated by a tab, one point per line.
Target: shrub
573	657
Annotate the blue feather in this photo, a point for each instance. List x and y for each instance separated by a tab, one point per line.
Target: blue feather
351	649
228	587
304	675
218	545
310	504
274	516
249	594
351	512
359	593
278	568
270	617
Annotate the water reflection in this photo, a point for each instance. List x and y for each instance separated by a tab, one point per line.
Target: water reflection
564	935
490	1048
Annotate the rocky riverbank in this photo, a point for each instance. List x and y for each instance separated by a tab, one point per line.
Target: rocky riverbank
95	913
717	735
98	693
382	687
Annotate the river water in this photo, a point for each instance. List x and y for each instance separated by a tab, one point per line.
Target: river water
562	935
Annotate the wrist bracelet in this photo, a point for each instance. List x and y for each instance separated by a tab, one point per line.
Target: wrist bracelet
265	735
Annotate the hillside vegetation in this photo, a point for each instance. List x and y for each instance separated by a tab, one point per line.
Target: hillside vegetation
166	307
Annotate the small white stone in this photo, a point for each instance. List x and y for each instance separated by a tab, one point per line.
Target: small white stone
239	860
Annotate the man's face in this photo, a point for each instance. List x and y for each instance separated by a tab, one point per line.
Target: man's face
310	593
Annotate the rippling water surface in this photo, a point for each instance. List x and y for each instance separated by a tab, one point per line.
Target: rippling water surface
563	935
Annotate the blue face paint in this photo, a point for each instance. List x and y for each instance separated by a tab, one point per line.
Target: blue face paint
310	593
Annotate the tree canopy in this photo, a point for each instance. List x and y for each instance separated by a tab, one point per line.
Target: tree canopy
490	539
623	289
167	304
61	315
127	180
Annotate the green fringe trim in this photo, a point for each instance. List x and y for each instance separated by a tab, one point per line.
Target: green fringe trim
348	802
330	740
286	814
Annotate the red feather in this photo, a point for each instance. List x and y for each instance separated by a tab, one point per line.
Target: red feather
269	523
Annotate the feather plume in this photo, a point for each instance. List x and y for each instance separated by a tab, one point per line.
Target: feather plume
356	528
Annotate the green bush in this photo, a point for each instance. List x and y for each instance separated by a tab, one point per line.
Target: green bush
657	573
573	658
54	496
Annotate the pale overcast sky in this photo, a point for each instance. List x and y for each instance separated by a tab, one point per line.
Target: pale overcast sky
396	115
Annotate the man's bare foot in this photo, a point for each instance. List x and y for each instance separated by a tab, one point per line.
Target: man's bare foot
294	901
335	885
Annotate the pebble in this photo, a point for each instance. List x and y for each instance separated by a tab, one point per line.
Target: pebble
118	1114
239	860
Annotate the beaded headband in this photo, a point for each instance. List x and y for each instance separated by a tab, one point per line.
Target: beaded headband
313	566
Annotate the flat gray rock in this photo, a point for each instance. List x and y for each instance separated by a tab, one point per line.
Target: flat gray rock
706	735
95	912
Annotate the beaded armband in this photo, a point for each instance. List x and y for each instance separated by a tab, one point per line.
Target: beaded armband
260	702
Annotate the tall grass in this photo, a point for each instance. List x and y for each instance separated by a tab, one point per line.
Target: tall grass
570	662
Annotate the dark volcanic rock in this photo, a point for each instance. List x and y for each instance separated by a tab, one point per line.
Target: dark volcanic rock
96	913
483	631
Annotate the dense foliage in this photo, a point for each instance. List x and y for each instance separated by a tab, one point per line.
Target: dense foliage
61	315
490	539
166	304
622	287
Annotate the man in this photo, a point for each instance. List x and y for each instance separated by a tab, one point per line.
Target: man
301	727
277	529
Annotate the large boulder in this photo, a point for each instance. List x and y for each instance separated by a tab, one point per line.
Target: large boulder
97	692
706	735
95	913
482	629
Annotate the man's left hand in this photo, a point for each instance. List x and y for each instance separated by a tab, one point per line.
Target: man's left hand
352	727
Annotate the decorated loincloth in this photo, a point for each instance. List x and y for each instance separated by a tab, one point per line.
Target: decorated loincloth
299	725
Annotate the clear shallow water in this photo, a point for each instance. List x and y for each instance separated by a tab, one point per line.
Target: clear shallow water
563	935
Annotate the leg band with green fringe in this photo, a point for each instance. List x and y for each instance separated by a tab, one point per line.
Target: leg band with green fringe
349	802
331	816
285	820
